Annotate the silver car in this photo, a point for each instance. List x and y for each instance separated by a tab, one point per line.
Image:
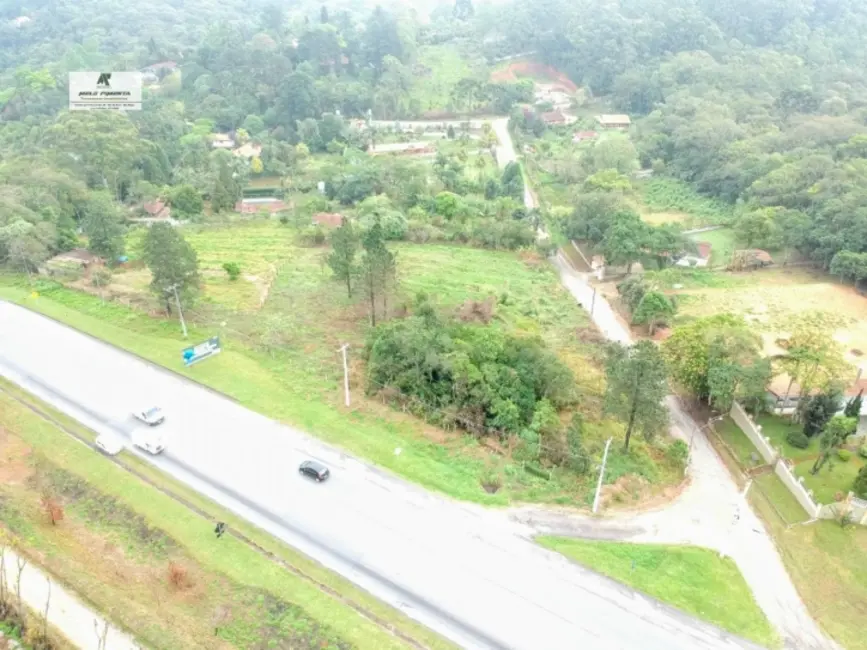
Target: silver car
151	416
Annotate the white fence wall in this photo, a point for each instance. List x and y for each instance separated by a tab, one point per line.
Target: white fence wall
749	427
797	489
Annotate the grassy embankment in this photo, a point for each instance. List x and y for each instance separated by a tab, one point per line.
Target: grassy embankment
693	579
122	534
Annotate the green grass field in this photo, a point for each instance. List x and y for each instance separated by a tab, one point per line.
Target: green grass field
433	89
826	564
119	536
674	197
281	359
693	579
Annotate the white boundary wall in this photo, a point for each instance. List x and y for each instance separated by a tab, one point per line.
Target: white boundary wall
752	432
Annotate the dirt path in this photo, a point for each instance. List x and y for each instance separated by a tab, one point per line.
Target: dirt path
75	620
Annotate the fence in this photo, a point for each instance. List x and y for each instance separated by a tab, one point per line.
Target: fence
753	432
793	483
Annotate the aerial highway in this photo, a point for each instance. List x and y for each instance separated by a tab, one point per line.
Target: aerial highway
469	573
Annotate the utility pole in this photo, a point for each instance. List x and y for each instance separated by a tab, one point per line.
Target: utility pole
601	474
174	289
343	349
593	302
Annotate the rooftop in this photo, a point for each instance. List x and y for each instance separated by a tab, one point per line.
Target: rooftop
613	120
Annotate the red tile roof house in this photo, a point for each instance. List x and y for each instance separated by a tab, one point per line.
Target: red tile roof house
328	219
153	212
255	206
580	136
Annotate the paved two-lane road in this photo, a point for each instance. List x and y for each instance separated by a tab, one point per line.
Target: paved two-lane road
468	573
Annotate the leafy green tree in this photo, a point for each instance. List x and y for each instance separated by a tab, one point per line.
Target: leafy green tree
694	349
378	270
834	435
813	359
859	486
817	411
853	406
233	270
173	264
624	241
101	224
186	201
653	310
758	229
635	388
344	248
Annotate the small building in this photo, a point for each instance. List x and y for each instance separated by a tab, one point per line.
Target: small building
161	68
784	396
157	209
248	151
614	121
328	219
255	206
751	258
581	136
222	141
700	259
556	118
75	261
403	149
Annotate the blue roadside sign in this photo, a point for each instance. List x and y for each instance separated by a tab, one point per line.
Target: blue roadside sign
201	351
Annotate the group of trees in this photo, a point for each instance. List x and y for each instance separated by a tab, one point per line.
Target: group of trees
478	378
759	104
646	304
605	221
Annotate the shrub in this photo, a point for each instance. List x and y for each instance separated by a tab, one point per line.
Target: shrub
52	508
313	236
844	455
535	470
798	439
178	576
233	269
101	277
859	486
863	451
678	452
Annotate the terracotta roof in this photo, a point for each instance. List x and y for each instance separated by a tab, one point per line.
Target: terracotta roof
704	249
155	208
584	135
760	255
553	117
331	219
252	208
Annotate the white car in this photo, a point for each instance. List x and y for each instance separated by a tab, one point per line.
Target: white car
151	416
152	443
108	444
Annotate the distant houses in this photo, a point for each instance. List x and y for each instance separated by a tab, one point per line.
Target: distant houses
582	136
700	259
222	141
257	205
557	118
150	212
328	219
614	121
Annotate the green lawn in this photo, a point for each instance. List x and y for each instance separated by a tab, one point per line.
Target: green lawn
723	244
835	477
433	89
784	502
737	440
693	579
827	566
112	509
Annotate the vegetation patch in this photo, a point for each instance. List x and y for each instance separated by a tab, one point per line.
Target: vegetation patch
693	579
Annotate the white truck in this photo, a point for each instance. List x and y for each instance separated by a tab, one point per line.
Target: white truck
150	441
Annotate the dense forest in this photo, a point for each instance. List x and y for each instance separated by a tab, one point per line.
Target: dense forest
762	104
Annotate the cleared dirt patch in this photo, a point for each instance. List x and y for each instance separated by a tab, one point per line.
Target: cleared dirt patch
514	70
775	296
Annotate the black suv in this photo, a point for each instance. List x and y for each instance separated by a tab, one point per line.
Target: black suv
315	470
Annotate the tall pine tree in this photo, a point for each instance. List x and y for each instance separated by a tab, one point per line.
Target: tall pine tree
344	247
